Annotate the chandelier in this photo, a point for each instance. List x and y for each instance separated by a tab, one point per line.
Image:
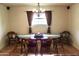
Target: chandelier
38	10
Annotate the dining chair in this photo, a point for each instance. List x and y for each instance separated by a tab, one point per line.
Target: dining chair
13	40
24	46
55	45
12	37
62	40
32	46
45	46
66	36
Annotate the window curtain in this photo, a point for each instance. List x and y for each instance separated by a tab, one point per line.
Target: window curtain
49	19
29	16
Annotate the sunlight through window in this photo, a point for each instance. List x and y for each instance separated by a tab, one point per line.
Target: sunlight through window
41	20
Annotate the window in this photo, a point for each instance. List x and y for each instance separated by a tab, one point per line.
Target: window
41	20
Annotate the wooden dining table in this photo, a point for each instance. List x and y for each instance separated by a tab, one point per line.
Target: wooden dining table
32	36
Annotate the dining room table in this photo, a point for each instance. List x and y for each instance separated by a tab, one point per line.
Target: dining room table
38	37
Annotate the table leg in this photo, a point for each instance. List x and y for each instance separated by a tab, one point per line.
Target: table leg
51	47
38	45
21	45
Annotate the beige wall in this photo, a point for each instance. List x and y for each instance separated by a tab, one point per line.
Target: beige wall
3	25
15	19
18	19
74	24
62	19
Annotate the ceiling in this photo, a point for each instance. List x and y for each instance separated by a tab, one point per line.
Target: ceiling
35	4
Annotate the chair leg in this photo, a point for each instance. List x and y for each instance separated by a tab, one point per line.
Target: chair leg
48	50
9	42
55	48
35	50
62	46
21	48
26	49
16	45
41	51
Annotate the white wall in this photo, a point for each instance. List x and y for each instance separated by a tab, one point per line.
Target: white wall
74	24
18	19
3	25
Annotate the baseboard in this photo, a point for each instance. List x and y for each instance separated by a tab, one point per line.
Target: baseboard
76	46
